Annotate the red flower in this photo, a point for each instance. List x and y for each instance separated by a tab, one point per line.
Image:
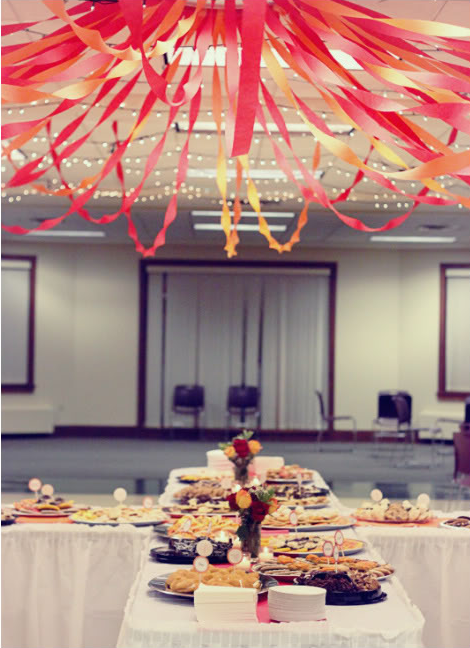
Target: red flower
241	448
259	511
232	502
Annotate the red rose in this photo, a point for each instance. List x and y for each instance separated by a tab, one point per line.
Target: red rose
259	511
232	502
241	448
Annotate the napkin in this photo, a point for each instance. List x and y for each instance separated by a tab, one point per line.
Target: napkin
296	603
219	605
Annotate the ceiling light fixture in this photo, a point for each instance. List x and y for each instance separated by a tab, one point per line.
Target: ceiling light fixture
246	214
69	233
413	239
241	227
211	127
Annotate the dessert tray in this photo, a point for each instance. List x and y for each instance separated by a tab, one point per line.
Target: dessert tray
294	544
192	527
307	496
307	521
194	478
45	506
208	508
200	493
116	515
285	568
461	522
352	588
7	517
184	582
289	474
184	550
393	513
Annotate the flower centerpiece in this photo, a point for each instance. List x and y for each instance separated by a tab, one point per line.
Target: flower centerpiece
241	450
253	504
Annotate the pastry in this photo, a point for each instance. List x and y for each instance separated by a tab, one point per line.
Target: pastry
386	511
119	515
289	472
186	581
208	527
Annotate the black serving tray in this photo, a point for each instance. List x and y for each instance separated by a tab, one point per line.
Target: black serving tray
168	556
355	598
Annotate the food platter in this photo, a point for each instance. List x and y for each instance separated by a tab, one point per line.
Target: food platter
393	522
341	523
119	515
355	546
446	524
159	584
167	556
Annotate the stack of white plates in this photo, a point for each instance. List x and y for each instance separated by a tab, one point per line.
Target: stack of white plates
217	461
296	603
215	605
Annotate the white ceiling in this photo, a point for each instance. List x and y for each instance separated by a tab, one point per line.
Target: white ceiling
20	207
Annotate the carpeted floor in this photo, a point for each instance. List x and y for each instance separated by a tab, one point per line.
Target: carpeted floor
98	465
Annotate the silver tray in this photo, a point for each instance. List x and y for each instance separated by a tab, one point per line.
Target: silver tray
158	584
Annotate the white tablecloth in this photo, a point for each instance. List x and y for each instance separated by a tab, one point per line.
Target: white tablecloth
155	620
434	567
65	586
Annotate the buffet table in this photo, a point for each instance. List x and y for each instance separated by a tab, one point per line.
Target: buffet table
434	567
157	620
66	585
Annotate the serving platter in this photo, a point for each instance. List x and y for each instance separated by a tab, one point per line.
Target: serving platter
445	524
361	519
159	584
319	552
348	522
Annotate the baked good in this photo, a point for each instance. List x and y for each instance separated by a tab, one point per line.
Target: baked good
461	522
281	517
119	515
186	581
202	526
291	471
340	582
203	491
386	511
217	506
305	495
304	543
44	503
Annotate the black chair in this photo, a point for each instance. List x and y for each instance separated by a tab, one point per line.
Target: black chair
328	422
188	400
243	401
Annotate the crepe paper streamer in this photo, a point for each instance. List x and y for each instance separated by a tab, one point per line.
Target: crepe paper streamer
403	55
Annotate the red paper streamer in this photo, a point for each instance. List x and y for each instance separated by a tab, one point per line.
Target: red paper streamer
300	32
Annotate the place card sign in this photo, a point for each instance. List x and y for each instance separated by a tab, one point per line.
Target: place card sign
48	490
147	502
201	564
327	548
34	485
204	548
234	555
376	495
120	495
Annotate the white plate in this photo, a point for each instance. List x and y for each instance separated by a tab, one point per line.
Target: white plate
292	480
158	584
444	525
316	527
140	524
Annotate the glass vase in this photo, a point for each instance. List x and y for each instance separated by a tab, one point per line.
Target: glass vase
241	472
251	543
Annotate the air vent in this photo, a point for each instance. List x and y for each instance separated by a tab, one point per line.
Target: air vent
433	228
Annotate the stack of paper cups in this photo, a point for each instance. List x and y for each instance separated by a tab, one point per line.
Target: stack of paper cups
296	603
215	605
217	461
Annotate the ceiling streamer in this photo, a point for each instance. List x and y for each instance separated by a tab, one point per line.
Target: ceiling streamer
424	64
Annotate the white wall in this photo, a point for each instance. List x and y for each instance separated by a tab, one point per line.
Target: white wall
87	328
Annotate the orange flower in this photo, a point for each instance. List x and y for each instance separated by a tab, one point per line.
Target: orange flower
255	446
273	505
243	499
229	451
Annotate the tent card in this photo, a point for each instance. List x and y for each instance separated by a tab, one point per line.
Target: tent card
204	548
34	484
186	525
120	494
48	490
376	495
147	502
339	538
328	549
234	555
201	564
423	500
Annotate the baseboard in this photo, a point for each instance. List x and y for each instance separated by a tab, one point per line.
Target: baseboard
134	432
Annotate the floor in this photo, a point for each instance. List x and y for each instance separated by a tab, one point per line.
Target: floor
98	465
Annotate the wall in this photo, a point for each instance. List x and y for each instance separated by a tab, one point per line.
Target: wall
87	328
